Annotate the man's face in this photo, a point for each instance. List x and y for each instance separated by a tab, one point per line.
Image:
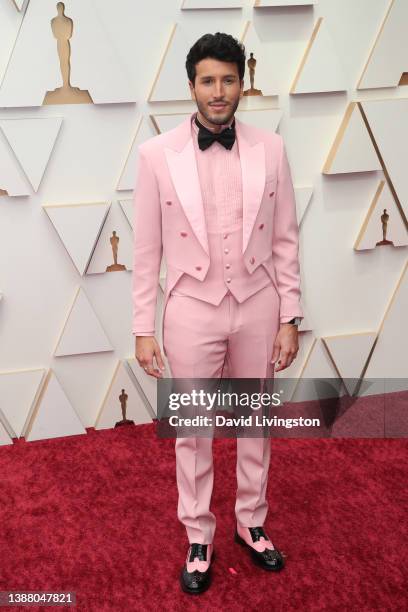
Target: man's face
217	90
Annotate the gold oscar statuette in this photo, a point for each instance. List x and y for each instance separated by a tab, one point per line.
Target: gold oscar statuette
62	27
123	397
384	221
252	91
114	240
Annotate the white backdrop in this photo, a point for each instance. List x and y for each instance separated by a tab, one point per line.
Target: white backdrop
345	292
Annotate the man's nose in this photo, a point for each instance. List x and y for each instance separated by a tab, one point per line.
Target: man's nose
218	90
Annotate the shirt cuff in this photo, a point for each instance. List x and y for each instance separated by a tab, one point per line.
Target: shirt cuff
286	319
143	333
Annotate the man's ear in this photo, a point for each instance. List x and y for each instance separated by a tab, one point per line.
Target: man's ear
192	92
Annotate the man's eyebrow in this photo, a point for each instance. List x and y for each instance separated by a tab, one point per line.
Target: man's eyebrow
210	76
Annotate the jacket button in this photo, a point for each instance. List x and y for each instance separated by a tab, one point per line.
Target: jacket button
252	260
271	194
198	267
168	202
261	226
184	234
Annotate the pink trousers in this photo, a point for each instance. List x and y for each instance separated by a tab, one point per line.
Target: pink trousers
200	341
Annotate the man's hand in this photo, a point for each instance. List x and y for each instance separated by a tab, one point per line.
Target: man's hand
286	346
147	348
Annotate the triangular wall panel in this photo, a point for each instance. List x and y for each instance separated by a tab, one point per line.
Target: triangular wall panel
352	149
4	436
53	415
103	258
22	133
321	68
13	181
303	196
388	123
78	226
127	207
111	409
264	70
18	391
82	331
127	179
371	233
392	337
349	353
388	59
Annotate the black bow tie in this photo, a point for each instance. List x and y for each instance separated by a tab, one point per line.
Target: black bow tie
206	137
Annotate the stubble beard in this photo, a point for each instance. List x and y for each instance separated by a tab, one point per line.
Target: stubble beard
218	119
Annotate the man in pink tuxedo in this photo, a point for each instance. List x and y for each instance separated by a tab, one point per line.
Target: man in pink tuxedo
215	197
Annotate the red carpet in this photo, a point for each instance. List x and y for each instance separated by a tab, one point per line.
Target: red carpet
96	514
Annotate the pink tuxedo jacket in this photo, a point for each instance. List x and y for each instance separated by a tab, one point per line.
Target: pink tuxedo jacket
169	218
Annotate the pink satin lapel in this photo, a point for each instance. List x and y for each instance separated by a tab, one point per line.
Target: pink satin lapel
183	169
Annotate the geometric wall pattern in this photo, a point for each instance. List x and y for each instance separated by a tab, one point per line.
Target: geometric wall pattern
392	336
19	4
93	62
82	331
144	131
21	132
387	122
121	401
383	224
127	207
352	149
4	436
321	68
349	353
53	414
18	390
96	231
264	70
78	226
388	58
113	250
303	196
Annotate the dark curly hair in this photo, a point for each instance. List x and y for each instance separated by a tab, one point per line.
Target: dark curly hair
220	46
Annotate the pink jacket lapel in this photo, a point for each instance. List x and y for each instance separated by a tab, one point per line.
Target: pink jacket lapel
182	165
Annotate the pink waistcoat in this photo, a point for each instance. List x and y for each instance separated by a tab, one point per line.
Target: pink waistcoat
219	172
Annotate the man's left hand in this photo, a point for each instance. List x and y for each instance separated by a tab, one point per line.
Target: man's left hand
286	346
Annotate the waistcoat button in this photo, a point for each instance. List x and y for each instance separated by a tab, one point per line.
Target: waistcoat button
261	226
168	202
252	260
184	234
198	267
228	280
271	194
226	251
